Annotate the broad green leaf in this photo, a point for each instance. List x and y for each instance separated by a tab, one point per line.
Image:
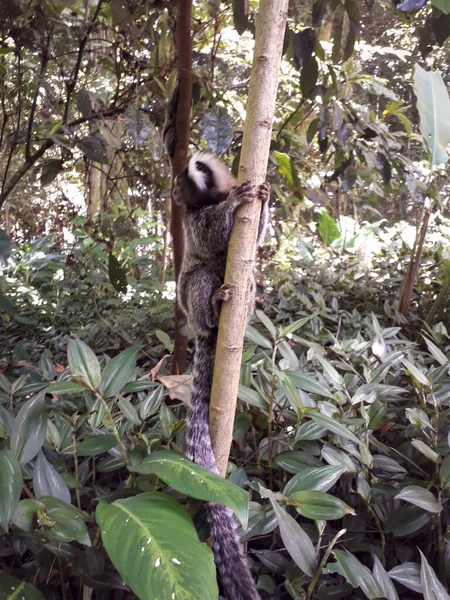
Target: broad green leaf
336	457
443	5
296	325
333	425
294	461
83	363
165	340
25	514
407	520
310	431
418	375
296	541
433	105
328	229
47	481
118	372
64	387
65	526
267	323
408	574
12	588
92	445
437	354
444	472
10	486
285	167
246	394
29	429
319	478
355	573
419	497
319	505
128	410
190	479
307	383
153	544
431	586
217	129
384	581
117	274
252	334
426	450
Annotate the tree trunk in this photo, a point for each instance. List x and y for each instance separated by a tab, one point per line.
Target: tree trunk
270	29
184	50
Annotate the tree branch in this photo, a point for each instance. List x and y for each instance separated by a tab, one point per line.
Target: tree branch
270	29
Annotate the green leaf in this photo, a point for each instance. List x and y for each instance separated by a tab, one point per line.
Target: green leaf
319	505
418	375
92	445
29	429
332	425
50	169
307	383
296	325
154	546
217	126
355	573
296	541
308	76
444	472
328	229
426	450
252	397
294	461
419	497
25	514
118	372
64	387
165	340
408	574
66	526
431	586
443	5
47	481
406	520
240	15
384	581
84	103
10	486
12	588
83	363
321	479
117	274
267	323
433	105
129	410
190	479
286	168
252	334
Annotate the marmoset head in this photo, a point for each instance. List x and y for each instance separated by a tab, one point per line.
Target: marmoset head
204	181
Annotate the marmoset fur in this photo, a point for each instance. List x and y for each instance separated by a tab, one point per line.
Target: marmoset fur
211	197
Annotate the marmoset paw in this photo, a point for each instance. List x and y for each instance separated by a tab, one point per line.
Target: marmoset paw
264	192
224	293
245	192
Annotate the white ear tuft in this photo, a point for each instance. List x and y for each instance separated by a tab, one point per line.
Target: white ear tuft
198	177
223	179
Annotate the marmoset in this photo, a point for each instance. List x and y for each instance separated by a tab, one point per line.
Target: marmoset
211	197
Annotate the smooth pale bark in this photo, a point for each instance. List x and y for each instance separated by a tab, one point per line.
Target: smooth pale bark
270	28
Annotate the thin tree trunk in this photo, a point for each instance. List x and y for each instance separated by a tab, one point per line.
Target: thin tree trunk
184	49
270	29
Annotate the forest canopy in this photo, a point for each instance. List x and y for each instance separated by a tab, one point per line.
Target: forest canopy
339	470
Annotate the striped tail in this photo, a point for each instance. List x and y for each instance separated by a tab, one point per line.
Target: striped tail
228	554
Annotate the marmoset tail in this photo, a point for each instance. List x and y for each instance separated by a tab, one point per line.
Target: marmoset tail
208	191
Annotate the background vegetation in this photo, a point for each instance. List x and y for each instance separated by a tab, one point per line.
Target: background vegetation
342	435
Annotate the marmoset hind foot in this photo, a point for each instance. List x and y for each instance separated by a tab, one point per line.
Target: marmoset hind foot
222	294
264	192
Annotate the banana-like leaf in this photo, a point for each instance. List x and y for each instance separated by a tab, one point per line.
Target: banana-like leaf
433	105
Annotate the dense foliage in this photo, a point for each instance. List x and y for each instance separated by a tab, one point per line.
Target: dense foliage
339	472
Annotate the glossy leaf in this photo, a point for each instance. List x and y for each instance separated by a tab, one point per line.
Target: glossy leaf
384	581
296	541
64	387
190	479
419	497
431	586
307	383
118	372
29	429
319	505
93	445
328	229
12	588
10	486
83	363
47	481
153	544
408	574
355	573
333	425
406	520
319	478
